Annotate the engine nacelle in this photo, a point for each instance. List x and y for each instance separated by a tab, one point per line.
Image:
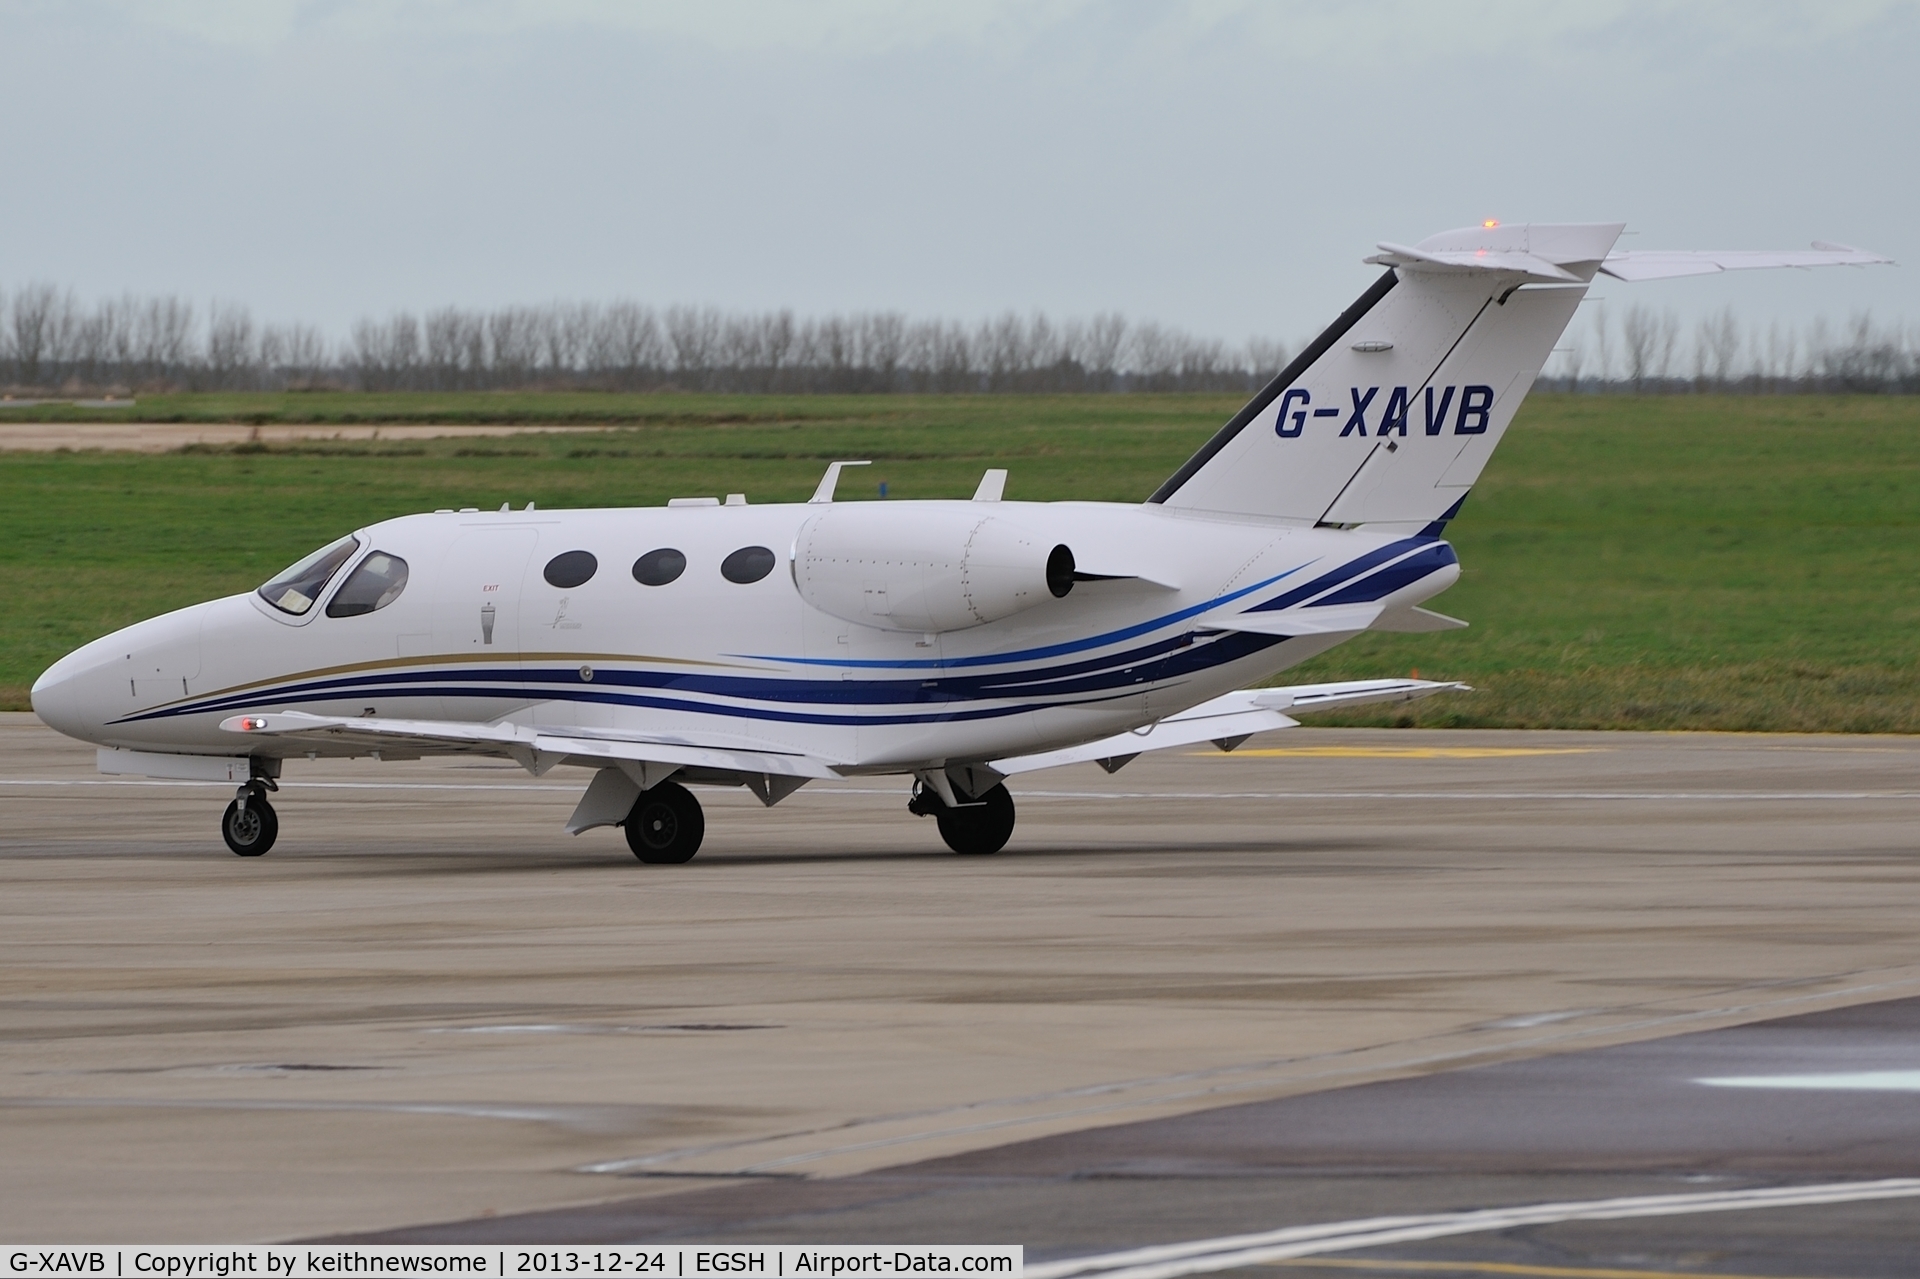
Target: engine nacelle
925	568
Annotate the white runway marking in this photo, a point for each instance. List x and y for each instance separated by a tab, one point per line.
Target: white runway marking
1228	1252
1857	1080
1710	797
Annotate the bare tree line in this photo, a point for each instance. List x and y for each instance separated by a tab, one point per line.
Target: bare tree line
1646	351
50	342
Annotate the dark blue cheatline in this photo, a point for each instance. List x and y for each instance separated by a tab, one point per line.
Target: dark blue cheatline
1347	572
1175	657
1375	586
1028	654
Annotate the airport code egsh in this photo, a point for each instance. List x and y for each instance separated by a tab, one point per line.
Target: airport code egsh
827	1261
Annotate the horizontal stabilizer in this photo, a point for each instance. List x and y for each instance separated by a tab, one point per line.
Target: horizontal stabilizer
1229	719
535	749
1665	264
1389	416
1544	253
1530	265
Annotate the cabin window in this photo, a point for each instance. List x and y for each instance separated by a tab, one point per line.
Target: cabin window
374	585
295	590
657	568
571	568
748	564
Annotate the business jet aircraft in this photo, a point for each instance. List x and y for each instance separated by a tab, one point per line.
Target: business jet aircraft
954	642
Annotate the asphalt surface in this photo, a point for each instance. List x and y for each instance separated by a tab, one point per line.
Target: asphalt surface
1788	1107
1344	974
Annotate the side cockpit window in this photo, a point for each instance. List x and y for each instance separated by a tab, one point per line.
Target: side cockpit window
295	590
374	585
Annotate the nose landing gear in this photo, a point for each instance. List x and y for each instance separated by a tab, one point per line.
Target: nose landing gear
975	829
250	825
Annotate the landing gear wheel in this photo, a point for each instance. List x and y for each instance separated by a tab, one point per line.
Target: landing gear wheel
250	831
975	829
666	825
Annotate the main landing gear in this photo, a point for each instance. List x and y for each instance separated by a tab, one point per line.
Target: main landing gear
666	825
982	826
250	825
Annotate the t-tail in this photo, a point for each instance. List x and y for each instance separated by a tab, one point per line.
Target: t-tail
1389	416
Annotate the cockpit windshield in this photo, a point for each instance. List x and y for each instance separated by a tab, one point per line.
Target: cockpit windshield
374	585
295	590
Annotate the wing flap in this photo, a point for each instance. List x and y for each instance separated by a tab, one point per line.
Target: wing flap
1229	718
1301	698
1232	716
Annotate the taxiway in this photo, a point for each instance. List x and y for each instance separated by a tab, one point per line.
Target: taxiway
429	1006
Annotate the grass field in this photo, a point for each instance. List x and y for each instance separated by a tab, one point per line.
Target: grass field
1666	562
520	408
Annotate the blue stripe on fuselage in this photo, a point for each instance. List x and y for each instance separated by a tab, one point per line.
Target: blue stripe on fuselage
1184	659
813	690
1031	654
1093	675
1082	681
1345	573
1396	575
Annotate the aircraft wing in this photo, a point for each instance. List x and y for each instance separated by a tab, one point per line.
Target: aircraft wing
1228	720
1662	264
535	749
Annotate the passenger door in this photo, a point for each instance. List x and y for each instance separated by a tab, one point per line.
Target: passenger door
476	618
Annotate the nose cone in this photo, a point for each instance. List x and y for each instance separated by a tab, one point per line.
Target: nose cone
64	691
99	686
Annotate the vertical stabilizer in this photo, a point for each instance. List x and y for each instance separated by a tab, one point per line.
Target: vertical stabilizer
1390	415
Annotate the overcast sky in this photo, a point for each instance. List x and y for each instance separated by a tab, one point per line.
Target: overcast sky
1218	165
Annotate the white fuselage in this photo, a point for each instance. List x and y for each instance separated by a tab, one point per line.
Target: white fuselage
480	635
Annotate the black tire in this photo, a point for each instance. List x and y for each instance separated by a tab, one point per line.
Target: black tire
666	825
979	828
250	833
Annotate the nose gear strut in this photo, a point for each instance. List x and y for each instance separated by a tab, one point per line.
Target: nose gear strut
250	825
